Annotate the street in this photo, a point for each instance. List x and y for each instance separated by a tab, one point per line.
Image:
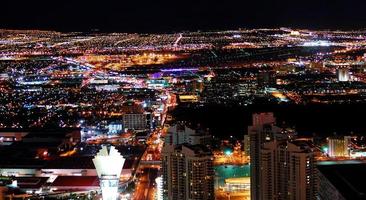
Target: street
145	188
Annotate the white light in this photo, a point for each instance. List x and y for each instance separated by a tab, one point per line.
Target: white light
319	43
109	163
159	187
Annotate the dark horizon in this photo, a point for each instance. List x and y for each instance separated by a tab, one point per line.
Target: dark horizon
165	16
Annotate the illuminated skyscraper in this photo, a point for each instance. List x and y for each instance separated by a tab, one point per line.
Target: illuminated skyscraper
188	172
262	130
109	163
288	171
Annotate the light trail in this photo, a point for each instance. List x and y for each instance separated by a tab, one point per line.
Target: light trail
178	39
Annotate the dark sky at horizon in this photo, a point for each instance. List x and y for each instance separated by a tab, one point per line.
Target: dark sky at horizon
167	16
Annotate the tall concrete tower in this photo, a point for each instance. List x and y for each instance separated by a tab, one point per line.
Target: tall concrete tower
288	171
109	163
188	173
263	130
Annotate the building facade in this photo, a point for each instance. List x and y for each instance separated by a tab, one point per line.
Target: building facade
180	134
288	171
136	121
262	130
188	172
338	146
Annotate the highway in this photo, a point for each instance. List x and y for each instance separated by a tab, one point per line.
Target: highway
145	187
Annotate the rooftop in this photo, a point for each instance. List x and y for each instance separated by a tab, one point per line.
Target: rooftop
31	182
76	181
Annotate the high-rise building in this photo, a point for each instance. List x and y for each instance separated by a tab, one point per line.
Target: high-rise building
246	145
109	163
343	74
263	130
338	146
159	195
180	134
288	171
188	172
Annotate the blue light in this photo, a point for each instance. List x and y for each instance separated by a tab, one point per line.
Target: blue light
228	152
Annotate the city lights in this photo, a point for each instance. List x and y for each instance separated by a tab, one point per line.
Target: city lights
187	115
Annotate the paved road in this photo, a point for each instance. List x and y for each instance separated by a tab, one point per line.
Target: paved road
146	185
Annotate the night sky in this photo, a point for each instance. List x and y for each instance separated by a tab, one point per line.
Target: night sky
168	16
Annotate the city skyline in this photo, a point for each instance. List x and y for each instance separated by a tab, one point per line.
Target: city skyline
184	100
